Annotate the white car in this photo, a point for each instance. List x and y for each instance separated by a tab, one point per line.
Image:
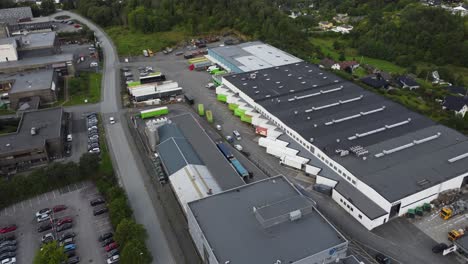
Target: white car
42	218
48	236
93	64
112	120
113	259
43	211
237	134
9	261
238	147
218	127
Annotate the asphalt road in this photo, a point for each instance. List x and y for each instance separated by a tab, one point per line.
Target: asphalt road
130	171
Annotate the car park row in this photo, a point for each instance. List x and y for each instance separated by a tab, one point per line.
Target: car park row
8	245
106	239
93	133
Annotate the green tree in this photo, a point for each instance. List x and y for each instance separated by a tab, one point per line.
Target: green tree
135	252
128	230
119	210
50	254
47	7
89	164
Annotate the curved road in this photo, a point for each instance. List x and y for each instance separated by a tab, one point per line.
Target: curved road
130	174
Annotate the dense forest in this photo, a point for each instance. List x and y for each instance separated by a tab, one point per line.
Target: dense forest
415	34
256	18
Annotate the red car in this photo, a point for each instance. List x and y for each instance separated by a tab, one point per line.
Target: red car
77	25
7	229
111	246
64	220
59	208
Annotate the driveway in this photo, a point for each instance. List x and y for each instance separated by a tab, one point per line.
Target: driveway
127	164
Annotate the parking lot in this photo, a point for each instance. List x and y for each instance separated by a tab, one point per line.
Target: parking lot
87	227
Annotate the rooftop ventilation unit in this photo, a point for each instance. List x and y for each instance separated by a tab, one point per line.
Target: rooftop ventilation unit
295	215
267	79
409	145
278	82
289	75
256	92
253	76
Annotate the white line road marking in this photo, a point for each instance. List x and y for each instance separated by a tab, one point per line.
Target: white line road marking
30	203
14	208
53	192
22	205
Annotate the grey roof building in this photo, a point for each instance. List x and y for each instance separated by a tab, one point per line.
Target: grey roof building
381	157
250	56
38	139
14	15
268	221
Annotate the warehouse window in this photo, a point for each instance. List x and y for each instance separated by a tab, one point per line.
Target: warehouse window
349	178
352	209
360	216
341	200
354	182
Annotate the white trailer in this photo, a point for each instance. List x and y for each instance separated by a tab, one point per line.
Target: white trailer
293	161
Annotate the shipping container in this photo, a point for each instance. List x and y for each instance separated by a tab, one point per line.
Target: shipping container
239	168
201	109
294	162
225	150
221	97
156	77
154	112
209	116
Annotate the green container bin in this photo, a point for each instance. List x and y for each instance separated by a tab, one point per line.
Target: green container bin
209	116
233	106
419	211
426	207
201	109
411	213
221	97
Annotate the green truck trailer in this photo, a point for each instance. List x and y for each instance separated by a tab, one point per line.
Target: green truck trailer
154	112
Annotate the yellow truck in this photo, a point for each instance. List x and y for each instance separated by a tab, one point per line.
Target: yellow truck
452	210
455	234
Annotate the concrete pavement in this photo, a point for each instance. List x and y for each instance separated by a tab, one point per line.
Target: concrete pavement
130	174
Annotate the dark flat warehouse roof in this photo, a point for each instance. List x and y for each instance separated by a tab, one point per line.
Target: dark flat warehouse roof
337	114
232	230
48	124
29	81
209	154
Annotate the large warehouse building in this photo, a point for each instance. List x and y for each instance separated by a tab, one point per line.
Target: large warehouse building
380	158
264	222
249	56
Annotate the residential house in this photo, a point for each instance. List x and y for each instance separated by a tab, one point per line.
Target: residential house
348	66
341	18
327	63
375	81
325	25
457	90
343	29
461	10
407	82
457	104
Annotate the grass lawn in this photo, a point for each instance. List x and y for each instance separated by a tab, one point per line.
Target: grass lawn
6	112
85	86
133	43
326	45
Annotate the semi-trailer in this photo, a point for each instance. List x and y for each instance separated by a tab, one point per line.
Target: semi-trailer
225	150
154	112
239	168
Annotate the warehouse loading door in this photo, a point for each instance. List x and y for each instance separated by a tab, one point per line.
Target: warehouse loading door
395	210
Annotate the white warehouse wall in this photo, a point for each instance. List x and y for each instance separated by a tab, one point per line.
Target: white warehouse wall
325	181
364	220
199	238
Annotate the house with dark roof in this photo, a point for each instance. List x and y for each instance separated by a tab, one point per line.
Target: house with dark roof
457	90
457	104
375	81
407	82
327	63
348	66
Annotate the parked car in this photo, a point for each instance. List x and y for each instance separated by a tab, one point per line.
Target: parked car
97	201
70	247
7	237
64	227
237	134
111	120
44	227
8	243
67	235
73	260
43	211
238	147
94	137
113	259
49	237
93	146
8	229
112	253
439	248
93	140
9	261
99	211
3	250
64	221
67	241
7	255
218	127
105	236
107	242
70	253
382	259
111	246
93	64
95	150
42	218
59	208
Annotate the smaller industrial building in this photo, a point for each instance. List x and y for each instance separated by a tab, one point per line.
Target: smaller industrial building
23	86
264	222
151	91
15	15
249	56
38	139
